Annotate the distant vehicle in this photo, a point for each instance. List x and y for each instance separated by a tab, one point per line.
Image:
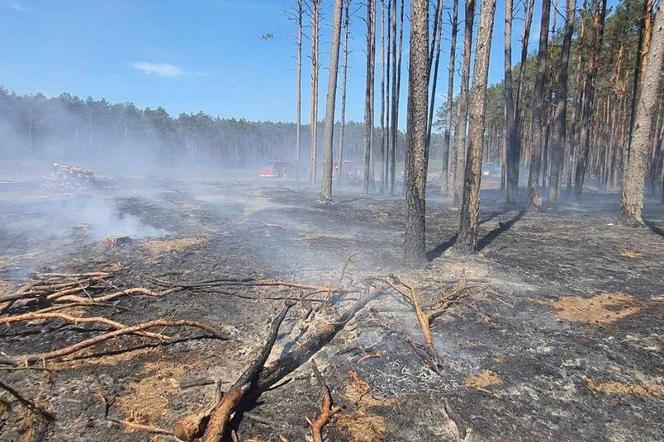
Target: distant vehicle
491	170
276	169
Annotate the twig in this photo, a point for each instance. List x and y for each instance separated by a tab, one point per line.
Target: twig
327	410
26	403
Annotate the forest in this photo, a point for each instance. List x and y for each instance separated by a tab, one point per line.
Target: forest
473	257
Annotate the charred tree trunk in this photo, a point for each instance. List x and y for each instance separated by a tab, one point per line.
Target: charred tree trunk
631	195
461	123
344	81
416	163
470	208
511	132
328	154
398	91
450	98
534	199
298	91
393	114
639	68
383	176
434	62
588	95
369	93
558	138
315	19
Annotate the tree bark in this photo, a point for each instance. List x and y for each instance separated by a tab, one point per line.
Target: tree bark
558	138
315	19
298	91
383	176
461	123
588	95
418	91
393	114
631	195
511	133
534	199
434	62
450	98
369	93
328	134
344	81
470	207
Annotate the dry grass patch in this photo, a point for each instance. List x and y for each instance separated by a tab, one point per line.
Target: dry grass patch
162	246
360	393
148	397
600	309
630	254
361	426
483	379
647	389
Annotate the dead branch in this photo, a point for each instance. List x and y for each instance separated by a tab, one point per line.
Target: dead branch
327	410
26	317
212	422
26	403
423	318
35	357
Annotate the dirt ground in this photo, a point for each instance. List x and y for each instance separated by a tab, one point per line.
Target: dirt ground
560	337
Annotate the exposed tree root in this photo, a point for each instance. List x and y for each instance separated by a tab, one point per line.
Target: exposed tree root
327	410
36	357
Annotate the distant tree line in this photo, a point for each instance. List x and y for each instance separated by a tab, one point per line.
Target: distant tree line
70	129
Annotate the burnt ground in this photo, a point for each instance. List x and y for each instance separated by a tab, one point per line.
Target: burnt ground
560	339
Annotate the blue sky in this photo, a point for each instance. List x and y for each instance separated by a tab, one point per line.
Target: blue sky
186	56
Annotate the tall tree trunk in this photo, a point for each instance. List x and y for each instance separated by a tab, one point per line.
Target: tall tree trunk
315	21
398	91
511	133
298	91
534	199
573	137
470	207
588	95
461	122
434	62
344	81
558	138
639	68
393	114
631	195
369	93
383	176
328	134
418	91
448	102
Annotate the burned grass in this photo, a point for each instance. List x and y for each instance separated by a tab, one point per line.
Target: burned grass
559	368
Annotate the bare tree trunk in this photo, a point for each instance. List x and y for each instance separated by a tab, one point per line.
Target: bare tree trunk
573	138
315	19
461	123
534	199
383	176
344	81
450	98
398	90
588	95
298	91
418	91
393	114
631	195
328	134
369	93
434	61
639	68
558	138
511	132
388	87
470	207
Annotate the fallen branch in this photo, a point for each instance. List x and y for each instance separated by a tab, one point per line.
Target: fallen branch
327	410
212	422
423	318
35	357
26	317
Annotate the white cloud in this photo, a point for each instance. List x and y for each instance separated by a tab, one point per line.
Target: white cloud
160	69
17	6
